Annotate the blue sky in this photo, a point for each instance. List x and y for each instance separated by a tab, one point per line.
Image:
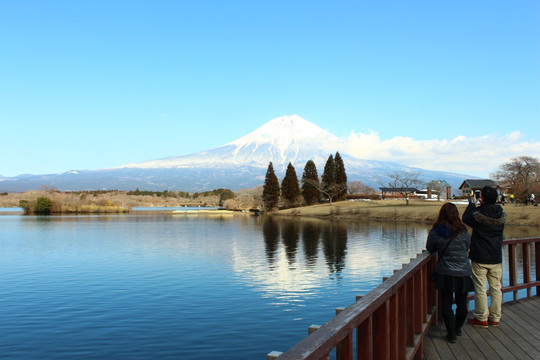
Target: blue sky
94	84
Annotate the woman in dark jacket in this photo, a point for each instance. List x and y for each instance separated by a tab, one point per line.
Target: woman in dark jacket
450	239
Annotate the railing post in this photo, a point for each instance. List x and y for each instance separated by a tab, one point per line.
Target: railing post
526	266
512	274
313	328
393	314
418	300
364	339
409	300
537	264
381	333
273	355
344	350
402	323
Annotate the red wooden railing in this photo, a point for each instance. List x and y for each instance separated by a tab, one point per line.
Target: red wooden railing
528	246
390	322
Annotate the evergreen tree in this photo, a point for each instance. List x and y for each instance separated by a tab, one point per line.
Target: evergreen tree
270	189
290	190
328	179
340	177
43	205
310	183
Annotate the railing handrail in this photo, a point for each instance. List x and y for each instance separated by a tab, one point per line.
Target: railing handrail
391	312
521	240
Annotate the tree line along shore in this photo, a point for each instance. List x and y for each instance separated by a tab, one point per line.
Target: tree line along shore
418	211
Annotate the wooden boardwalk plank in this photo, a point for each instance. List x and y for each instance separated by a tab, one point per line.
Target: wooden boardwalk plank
484	347
521	324
430	350
513	326
525	313
511	340
469	345
516	337
446	350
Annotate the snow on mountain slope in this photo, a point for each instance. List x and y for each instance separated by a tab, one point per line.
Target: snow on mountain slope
282	140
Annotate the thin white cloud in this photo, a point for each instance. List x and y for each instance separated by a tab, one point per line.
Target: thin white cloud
478	156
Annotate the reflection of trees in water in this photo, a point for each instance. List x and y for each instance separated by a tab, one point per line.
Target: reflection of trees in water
402	238
334	240
290	237
396	241
334	237
271	238
310	242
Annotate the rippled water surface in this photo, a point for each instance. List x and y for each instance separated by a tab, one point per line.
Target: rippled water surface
182	286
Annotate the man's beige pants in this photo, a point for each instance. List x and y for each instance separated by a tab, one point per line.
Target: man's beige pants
493	274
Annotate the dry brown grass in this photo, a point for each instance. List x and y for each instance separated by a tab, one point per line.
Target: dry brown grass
111	202
396	210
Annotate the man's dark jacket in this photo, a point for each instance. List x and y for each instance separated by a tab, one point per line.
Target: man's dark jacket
487	222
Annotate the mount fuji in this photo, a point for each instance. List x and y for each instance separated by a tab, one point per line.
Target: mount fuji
241	163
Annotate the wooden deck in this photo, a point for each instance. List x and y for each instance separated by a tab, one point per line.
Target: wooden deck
396	320
516	337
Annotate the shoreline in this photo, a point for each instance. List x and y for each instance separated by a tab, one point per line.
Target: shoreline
419	211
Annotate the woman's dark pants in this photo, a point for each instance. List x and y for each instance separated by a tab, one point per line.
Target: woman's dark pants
453	322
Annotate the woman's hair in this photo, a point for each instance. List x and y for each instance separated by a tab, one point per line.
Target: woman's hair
449	217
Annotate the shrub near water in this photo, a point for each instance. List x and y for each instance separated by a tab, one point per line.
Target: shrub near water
43	205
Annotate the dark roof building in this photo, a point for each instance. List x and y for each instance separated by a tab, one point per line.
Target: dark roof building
469	186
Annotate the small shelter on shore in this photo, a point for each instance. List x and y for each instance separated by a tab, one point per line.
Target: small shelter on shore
470	186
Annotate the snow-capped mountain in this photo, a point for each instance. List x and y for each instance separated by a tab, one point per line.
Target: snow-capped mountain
241	163
281	140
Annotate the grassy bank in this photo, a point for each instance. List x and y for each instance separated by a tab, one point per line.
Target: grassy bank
100	202
419	211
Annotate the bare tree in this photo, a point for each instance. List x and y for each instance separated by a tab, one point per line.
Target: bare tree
358	187
331	191
438	186
405	182
522	174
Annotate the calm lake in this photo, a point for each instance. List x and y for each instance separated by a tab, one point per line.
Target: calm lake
153	285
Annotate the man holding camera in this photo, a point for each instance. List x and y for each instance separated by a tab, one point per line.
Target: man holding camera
487	223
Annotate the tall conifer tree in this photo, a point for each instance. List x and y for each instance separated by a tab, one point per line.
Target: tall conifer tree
328	179
270	189
310	183
340	177
290	190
